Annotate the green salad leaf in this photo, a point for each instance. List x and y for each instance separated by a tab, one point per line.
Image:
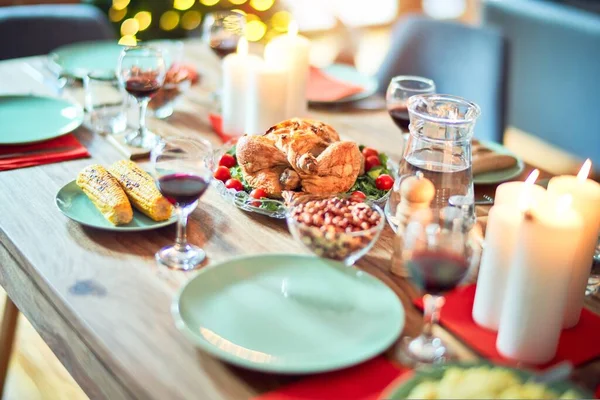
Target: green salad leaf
236	173
366	182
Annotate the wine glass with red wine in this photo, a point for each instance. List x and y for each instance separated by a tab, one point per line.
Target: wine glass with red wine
182	168
400	89
141	71
439	251
222	30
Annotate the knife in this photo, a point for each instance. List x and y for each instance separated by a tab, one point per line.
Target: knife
35	152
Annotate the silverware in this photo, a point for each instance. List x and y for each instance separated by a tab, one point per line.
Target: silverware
35	152
560	372
487	200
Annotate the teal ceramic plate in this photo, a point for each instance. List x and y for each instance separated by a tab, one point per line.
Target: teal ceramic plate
71	200
502	175
349	74
402	387
288	313
81	58
28	119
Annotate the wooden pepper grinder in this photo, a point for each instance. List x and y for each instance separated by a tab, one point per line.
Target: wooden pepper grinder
416	193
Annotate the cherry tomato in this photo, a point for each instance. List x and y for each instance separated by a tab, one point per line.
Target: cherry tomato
368	152
222	173
358	196
384	182
258	194
234	184
227	161
371	162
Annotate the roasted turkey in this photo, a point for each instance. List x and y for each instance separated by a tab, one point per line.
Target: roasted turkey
299	154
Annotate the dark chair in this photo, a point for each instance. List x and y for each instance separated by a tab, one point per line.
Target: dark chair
554	53
39	29
462	60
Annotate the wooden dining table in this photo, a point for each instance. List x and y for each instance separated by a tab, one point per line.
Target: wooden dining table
100	300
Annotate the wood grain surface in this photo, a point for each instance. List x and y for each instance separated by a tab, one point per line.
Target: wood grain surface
100	300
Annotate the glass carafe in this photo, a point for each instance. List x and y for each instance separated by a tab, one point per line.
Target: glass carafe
439	146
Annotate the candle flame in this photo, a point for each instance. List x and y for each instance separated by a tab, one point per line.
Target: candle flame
584	172
242	47
293	28
563	203
526	197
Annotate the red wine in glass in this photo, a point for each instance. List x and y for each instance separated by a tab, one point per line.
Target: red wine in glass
222	49
141	87
400	117
437	271
182	189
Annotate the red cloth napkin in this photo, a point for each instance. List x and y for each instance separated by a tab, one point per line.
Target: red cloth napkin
322	87
72	150
577	345
216	122
362	382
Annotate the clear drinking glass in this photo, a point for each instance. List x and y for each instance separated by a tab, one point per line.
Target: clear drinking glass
438	253
141	71
222	30
400	89
177	79
105	102
439	146
182	168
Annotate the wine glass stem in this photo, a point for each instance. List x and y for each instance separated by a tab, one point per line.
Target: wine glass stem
432	305
142	123
182	219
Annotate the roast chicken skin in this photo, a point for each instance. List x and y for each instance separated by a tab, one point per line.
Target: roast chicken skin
299	153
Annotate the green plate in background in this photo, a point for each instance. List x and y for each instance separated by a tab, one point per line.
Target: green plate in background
71	200
349	74
402	387
79	59
288	313
502	175
29	119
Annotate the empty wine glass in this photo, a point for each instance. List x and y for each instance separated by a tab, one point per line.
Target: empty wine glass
400	89
222	30
182	168
141	71
438	253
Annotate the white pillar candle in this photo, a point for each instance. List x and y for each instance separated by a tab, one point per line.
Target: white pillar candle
537	286
500	241
504	220
291	52
266	98
235	87
586	201
509	193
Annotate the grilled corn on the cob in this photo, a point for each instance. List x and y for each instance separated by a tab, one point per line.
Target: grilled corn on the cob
141	190
106	194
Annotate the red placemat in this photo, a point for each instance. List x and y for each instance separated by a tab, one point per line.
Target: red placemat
66	147
362	382
323	87
578	345
216	122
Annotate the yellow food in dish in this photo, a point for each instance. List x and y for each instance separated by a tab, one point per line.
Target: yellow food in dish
141	190
106	194
483	383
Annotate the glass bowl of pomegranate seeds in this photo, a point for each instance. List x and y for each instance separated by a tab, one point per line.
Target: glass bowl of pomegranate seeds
340	227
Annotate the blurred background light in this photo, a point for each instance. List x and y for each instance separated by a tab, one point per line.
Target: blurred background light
280	21
183	4
130	27
237	2
169	20
128	40
116	15
209	2
444	9
191	20
120	4
261	5
255	30
144	19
